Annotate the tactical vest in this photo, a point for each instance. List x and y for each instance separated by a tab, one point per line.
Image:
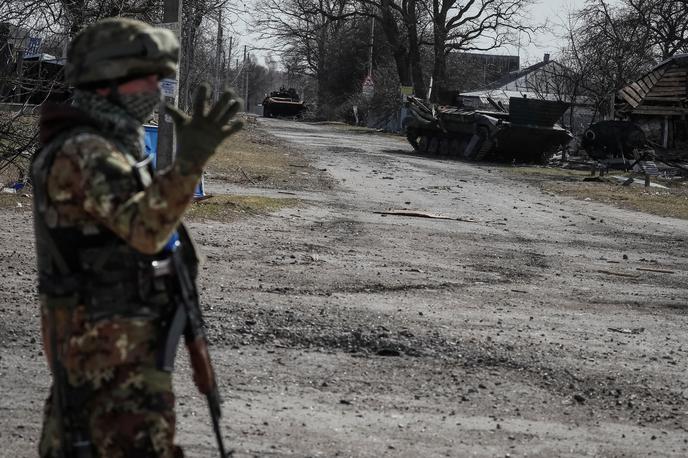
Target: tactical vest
90	265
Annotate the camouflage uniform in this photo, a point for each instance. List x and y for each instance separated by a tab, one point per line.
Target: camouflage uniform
102	218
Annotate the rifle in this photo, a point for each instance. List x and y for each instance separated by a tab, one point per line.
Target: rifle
73	442
188	317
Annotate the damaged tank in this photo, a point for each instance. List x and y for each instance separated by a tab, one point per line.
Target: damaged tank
527	132
284	103
608	140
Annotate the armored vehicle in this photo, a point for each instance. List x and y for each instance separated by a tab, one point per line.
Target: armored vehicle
613	139
283	103
527	132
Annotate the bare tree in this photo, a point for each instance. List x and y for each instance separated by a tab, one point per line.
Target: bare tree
473	25
612	48
79	13
606	48
309	35
666	22
23	83
404	23
28	76
199	42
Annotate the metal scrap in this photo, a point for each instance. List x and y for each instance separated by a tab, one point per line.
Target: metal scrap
618	274
422	214
661	271
628	330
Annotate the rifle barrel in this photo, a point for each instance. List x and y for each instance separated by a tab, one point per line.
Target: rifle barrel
214	407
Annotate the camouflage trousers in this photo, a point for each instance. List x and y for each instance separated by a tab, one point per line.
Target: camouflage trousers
129	416
115	395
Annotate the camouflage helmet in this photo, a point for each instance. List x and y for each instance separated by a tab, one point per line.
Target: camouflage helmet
118	49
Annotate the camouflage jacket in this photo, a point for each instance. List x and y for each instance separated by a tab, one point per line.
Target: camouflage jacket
94	190
93	177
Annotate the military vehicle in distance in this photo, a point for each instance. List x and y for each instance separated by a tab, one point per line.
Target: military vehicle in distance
613	139
284	103
527	132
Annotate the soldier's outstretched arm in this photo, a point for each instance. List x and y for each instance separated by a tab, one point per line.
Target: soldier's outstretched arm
90	172
198	136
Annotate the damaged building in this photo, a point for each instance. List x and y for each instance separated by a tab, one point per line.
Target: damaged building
28	75
658	103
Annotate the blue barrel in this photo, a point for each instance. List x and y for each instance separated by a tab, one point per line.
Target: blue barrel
151	143
151	146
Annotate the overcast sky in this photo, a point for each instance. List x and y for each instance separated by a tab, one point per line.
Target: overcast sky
552	11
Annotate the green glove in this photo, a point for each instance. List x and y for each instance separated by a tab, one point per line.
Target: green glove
198	136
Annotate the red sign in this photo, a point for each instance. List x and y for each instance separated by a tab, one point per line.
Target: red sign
368	86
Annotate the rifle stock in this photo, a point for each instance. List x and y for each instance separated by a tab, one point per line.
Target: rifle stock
200	362
197	346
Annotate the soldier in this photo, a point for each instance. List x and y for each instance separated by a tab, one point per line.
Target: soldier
106	228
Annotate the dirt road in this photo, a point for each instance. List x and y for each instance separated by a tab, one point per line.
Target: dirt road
523	327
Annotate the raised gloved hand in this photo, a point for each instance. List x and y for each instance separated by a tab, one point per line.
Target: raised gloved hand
198	136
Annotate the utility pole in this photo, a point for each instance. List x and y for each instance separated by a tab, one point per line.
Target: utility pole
229	55
172	19
218	57
245	67
20	73
370	55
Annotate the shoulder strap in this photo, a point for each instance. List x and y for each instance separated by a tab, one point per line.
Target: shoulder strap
190	254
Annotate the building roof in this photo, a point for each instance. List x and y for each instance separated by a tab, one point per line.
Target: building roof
43	57
663	91
504	95
516	84
516	75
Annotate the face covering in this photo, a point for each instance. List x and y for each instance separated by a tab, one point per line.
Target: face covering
140	105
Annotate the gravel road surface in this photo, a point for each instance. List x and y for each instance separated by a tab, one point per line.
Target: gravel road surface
523	324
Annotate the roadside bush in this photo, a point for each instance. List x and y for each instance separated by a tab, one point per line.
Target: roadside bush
18	143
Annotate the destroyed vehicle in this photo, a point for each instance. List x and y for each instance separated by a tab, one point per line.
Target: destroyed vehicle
526	133
283	104
624	145
609	140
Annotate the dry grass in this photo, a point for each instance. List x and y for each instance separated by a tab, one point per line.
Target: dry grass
661	202
672	202
257	159
17	201
545	172
229	208
15	133
251	157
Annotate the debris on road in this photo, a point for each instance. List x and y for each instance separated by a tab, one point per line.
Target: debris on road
627	330
246	175
618	274
422	214
626	181
579	398
388	352
660	271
